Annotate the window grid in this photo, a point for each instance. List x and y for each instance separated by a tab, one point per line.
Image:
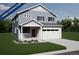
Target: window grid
51	19
40	18
50	30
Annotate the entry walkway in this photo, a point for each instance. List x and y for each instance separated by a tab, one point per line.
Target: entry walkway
69	44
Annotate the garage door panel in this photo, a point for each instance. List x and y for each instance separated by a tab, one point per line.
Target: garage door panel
51	34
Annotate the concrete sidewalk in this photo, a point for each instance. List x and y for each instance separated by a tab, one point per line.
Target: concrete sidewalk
69	44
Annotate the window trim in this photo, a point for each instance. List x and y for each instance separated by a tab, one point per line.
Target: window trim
38	18
50	30
27	15
51	19
27	30
56	30
44	30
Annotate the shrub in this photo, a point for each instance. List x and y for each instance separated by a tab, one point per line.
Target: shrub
32	40
35	40
17	40
25	41
20	41
29	41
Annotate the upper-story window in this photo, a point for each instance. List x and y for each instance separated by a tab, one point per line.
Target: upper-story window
51	19
40	18
26	15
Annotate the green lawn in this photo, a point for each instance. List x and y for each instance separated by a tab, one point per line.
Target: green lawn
8	47
71	35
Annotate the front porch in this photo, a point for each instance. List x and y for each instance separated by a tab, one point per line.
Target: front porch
30	31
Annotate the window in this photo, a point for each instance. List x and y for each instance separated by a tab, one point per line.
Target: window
44	30
50	30
40	18
50	18
26	30
26	15
56	29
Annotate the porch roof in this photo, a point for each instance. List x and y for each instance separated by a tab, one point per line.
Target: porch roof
32	23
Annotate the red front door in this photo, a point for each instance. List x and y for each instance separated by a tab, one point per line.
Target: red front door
33	33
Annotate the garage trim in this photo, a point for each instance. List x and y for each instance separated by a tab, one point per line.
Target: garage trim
50	30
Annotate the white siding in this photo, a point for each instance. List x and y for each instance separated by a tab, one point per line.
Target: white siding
39	9
33	13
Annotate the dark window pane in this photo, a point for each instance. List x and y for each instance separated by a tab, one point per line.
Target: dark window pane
40	18
44	30
52	30
48	29
56	29
50	18
26	30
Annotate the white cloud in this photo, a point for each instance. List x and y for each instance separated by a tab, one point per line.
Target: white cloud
3	7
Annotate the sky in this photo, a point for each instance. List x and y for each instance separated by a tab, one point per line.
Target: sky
62	10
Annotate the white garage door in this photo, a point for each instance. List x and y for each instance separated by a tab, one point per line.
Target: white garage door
54	33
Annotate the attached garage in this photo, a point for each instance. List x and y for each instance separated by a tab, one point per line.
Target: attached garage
51	33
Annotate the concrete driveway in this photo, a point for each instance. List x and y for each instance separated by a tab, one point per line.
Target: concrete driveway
69	53
69	44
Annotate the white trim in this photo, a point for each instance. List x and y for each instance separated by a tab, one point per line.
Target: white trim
32	20
47	9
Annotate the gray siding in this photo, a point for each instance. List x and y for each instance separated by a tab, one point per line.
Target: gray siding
33	15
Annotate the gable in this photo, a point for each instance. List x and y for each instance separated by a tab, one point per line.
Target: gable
39	8
32	23
36	8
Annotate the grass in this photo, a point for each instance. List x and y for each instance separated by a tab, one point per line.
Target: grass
71	35
8	47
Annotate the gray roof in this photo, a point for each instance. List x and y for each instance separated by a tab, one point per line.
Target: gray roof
51	25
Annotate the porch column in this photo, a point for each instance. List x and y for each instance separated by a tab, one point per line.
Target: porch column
21	29
21	34
41	33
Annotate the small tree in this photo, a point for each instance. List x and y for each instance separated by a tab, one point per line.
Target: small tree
70	25
5	25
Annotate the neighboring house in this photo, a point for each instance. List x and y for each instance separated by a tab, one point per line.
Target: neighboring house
36	23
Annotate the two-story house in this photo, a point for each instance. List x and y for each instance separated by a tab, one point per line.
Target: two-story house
36	23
